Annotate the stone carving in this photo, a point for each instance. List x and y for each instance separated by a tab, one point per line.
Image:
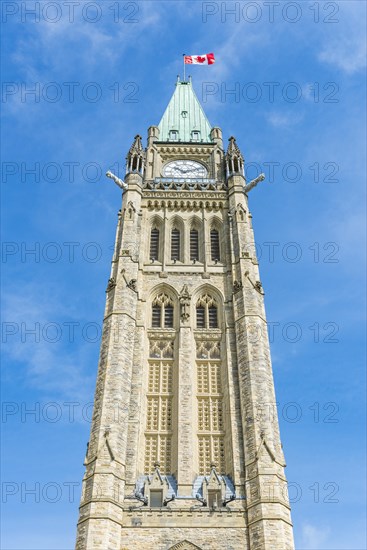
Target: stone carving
208	349
256	285
163	299
206	299
237	286
263	443
233	151
241	212
253	183
182	184
188	205
185	545
131	210
234	159
139	496
161	349
130	284
106	445
117	180
111	284
187	149
185	299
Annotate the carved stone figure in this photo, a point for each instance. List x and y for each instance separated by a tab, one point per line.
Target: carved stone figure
117	180
185	299
253	183
111	284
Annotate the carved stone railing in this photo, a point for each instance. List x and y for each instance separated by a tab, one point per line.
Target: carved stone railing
186	184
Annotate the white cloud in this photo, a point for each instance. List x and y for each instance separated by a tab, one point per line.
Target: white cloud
51	358
345	41
283	120
49	47
314	538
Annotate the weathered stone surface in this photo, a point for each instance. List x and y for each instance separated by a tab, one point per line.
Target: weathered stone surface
198	394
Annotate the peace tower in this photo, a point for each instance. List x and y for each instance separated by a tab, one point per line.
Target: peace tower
183	452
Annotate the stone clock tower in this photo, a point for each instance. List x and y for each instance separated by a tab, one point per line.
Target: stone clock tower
183	452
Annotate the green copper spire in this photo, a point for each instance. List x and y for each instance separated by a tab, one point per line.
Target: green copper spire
184	119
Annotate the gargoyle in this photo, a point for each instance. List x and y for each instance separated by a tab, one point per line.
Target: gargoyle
117	180
253	183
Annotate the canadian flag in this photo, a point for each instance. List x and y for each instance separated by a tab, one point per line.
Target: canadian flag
205	59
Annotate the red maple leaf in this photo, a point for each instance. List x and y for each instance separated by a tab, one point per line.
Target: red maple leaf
200	59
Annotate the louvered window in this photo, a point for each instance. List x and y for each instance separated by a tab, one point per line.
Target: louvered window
214	244
154	244
156	316
168	317
162	311
194	245
206	312
156	499
175	244
200	317
214	499
213	317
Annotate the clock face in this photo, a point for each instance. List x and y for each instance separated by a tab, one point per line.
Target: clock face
184	169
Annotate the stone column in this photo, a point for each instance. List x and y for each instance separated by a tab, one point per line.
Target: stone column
268	510
99	526
186	404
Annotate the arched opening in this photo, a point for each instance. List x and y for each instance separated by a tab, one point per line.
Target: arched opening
154	244
214	245
162	312
206	312
175	244
194	245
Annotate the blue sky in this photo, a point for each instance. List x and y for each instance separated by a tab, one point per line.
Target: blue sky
298	109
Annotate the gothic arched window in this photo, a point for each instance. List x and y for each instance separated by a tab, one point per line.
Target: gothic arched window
194	245
214	245
162	312
175	244
206	312
154	244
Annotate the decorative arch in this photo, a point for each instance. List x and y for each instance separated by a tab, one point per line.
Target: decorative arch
195	222
163	287
208	296
210	377
195	239
161	392
185	545
163	300
176	228
216	234
206	312
155	224
215	222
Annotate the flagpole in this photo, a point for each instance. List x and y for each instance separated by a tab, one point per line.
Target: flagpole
184	71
